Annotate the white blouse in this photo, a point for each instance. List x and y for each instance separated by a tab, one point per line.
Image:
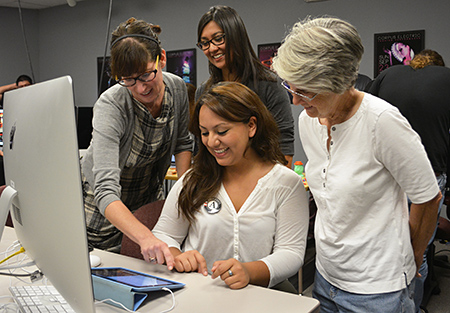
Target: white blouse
362	236
271	225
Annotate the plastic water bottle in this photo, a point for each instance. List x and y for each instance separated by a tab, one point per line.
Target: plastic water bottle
298	168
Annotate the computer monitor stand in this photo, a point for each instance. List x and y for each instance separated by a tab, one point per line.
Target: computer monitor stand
6	199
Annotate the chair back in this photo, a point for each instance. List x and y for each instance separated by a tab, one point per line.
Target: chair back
148	215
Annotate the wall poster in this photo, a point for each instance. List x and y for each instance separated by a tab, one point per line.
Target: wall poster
184	64
396	48
266	52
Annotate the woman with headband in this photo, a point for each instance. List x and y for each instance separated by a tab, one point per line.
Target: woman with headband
138	125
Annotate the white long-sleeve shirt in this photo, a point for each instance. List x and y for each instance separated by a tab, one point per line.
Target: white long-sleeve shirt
271	225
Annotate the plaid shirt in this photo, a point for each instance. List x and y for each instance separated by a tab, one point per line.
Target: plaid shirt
139	179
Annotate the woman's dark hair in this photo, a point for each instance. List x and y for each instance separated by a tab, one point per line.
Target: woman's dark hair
131	55
233	102
240	57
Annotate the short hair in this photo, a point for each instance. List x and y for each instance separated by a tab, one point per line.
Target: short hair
22	78
320	55
130	55
426	57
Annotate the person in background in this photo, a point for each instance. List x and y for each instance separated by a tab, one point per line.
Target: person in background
223	38
138	125
238	178
364	159
421	91
21	81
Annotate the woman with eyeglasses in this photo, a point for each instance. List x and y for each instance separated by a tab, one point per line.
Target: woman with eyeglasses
138	125
223	38
364	159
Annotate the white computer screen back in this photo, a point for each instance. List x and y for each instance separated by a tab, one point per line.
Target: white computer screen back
42	165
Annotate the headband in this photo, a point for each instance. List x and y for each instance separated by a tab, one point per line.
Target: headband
135	35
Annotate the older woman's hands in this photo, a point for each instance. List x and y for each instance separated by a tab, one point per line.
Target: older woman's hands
191	261
232	272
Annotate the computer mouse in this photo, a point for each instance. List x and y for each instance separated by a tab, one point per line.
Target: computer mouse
95	260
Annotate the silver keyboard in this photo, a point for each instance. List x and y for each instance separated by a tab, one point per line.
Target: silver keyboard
39	299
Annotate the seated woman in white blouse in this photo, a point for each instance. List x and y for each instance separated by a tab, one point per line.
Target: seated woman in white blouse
239	213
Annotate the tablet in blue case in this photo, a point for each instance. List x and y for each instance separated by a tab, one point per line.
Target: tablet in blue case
127	286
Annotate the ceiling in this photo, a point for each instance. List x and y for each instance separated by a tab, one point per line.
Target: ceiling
36	4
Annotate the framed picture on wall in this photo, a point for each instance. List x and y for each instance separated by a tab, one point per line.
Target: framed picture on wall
396	48
184	64
266	52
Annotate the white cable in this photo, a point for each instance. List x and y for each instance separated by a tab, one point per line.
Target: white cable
173	299
128	310
22	266
118	303
6	307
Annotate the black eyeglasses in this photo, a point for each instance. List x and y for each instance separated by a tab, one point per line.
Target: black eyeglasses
145	77
218	40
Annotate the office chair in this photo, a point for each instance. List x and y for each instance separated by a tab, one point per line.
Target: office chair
148	215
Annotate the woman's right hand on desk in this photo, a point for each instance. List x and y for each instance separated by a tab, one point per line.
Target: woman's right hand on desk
190	261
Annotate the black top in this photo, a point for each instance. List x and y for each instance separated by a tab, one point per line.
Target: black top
423	97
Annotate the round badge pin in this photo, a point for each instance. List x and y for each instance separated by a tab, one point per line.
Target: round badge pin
213	206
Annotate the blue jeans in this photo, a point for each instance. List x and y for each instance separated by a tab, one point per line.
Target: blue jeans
423	270
334	300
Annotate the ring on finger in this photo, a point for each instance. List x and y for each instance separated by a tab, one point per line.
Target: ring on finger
230	272
152	259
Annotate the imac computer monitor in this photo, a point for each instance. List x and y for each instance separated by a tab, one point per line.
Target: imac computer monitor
44	190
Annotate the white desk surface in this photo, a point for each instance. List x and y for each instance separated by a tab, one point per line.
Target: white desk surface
201	294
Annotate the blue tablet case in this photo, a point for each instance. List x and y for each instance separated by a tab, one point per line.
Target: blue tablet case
105	289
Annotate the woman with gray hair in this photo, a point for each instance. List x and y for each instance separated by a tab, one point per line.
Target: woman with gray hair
363	161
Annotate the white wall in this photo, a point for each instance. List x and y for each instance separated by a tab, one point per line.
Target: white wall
68	40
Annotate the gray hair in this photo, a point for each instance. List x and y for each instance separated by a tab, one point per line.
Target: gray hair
320	55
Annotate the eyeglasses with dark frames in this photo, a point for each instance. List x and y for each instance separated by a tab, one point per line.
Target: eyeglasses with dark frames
288	88
217	41
145	77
